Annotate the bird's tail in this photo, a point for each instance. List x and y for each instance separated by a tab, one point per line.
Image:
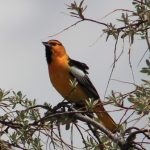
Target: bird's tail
105	118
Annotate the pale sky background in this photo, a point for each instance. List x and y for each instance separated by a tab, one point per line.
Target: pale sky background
24	24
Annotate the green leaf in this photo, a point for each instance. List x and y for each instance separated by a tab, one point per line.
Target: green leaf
148	63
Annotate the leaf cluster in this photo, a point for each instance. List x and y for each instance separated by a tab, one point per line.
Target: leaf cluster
77	9
135	23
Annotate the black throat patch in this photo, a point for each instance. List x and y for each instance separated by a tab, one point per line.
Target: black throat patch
48	55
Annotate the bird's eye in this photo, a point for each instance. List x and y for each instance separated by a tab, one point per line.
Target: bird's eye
53	44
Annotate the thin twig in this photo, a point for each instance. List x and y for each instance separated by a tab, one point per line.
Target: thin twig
143	56
66	28
95	133
147	40
113	67
110	13
130	64
71	137
59	132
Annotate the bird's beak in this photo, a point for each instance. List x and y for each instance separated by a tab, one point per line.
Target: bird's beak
46	44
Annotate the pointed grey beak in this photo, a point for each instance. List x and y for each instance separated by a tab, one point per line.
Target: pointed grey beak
46	44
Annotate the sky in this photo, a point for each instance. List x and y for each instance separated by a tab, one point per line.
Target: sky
25	24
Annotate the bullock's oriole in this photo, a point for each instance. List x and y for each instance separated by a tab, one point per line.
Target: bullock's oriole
63	69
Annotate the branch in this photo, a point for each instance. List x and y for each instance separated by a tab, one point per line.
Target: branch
98	126
11	124
130	139
133	134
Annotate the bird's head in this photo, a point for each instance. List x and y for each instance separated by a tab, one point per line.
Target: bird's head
54	49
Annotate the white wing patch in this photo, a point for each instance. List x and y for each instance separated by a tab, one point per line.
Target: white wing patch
77	72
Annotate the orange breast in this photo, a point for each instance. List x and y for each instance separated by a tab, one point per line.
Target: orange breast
60	78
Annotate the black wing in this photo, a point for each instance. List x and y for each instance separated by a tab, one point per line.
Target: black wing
79	71
79	65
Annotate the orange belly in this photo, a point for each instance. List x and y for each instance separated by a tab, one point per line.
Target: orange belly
61	80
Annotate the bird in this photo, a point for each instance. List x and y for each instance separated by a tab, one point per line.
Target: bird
62	70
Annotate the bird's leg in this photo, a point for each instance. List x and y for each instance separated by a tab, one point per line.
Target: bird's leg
60	105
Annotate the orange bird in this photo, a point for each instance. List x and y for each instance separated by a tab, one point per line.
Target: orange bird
63	70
